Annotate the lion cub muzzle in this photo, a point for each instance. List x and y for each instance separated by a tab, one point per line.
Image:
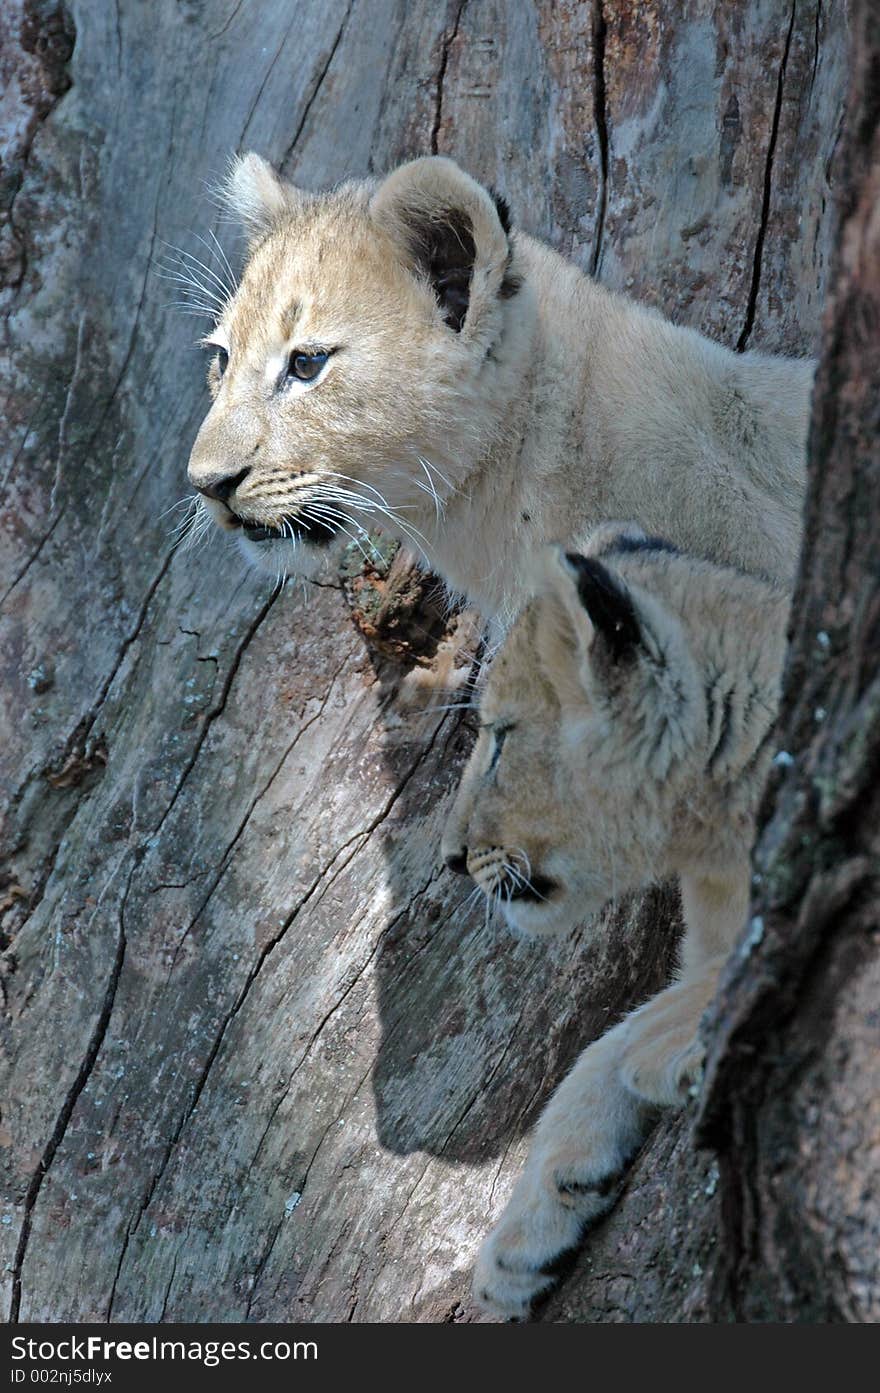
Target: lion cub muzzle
507	875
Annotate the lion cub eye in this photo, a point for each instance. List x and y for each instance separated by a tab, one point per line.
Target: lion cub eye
500	733
217	365
305	367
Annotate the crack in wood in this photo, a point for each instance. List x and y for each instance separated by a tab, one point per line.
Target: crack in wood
484	1085
395	1224
817	44
755	286
78	741
66	411
31	559
218	33
225	858
215	1048
217	711
164	1309
19	450
262	87
382	937
316	87
42	92
261	1266
116	1275
600	117
161	185
61	1124
449	37
301	1186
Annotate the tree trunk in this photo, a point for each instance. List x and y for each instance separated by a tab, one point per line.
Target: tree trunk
259	1059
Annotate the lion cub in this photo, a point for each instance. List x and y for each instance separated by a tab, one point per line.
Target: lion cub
625	737
396	355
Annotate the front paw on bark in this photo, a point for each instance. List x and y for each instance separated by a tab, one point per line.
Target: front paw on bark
505	1285
519	1261
667	1076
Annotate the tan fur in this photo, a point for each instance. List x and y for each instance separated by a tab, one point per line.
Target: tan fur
611	774
553	408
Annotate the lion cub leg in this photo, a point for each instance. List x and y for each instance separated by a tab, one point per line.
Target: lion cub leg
662	1058
604	1109
582	1145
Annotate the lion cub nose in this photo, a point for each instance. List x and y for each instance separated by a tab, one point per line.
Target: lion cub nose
457	861
221	488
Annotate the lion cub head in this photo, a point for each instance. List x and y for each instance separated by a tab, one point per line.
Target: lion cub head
620	728
347	362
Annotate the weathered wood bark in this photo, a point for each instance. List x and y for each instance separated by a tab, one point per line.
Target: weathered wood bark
794	1101
258	1061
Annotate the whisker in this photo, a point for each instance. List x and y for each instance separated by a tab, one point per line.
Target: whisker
429	464
191	287
224	258
469	899
190	501
343	521
228	285
190	260
368	503
312	509
524	855
410	533
381	502
185	525
194	531
188	307
182	274
432	489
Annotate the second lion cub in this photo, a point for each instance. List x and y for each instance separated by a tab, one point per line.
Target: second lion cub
625	737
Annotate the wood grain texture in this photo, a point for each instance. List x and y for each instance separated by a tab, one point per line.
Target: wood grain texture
257	1059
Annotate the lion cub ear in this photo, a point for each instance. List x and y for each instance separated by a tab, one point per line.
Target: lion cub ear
588	626
598	605
452	231
255	195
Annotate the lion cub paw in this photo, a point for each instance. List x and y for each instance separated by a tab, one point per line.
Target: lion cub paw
666	1077
544	1219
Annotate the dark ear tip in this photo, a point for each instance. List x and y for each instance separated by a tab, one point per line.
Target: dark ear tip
608	603
503	208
